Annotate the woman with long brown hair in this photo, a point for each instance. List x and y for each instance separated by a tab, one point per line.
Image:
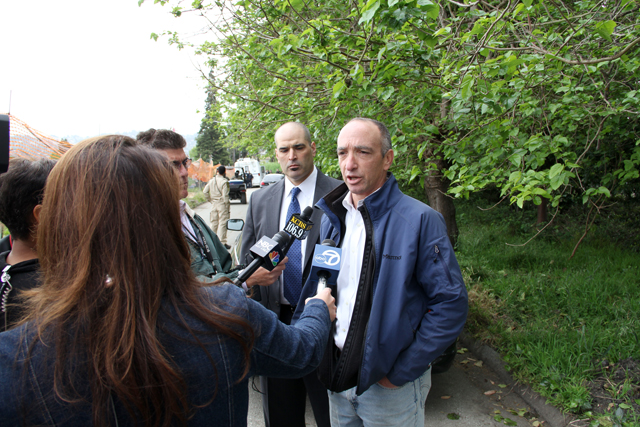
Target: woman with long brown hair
120	333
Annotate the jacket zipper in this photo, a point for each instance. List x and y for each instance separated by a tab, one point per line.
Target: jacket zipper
5	290
366	329
372	268
441	258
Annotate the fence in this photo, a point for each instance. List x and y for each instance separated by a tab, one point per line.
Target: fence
26	142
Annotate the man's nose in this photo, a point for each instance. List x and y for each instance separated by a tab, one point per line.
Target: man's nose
350	162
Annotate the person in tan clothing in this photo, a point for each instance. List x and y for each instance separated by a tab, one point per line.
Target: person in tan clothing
217	192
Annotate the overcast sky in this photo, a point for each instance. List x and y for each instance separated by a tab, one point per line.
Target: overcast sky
89	67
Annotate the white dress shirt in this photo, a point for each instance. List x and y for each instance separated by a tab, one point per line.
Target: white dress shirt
350	268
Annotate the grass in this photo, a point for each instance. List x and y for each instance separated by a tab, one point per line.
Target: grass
554	319
274	167
195	198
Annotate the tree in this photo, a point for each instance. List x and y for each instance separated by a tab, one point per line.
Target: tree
208	144
535	98
545	108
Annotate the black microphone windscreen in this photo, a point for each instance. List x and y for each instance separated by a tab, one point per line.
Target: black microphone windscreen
307	212
282	237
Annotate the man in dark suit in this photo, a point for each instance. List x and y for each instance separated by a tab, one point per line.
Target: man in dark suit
269	210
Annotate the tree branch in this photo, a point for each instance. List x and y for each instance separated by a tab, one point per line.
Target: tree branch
590	61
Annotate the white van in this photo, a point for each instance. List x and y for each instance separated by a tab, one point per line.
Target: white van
253	166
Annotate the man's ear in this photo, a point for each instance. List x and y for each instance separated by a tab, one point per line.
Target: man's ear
388	159
36	214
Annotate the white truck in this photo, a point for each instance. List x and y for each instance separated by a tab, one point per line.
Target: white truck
251	165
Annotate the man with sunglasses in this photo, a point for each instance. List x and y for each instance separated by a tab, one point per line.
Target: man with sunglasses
210	260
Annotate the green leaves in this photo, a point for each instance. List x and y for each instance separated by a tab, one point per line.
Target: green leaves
594	192
556	176
605	29
338	88
386	93
297	4
369	11
415	171
555	170
467	85
429	40
516	158
432	9
502	103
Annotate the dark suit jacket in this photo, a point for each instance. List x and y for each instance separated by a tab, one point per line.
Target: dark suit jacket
263	219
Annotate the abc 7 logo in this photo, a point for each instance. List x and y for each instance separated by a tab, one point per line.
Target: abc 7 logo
329	258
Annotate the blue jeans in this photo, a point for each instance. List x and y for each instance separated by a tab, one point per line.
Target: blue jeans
380	406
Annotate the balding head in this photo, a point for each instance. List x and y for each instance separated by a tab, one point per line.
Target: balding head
295	151
294	127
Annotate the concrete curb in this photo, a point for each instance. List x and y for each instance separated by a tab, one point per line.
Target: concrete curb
552	415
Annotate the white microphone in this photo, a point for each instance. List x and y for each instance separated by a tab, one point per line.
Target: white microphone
326	265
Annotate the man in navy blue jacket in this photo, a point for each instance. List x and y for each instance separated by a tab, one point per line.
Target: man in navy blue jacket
400	295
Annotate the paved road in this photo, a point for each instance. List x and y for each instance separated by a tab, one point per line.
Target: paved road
468	395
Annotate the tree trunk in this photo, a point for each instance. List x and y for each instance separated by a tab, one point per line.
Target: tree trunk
435	188
542	211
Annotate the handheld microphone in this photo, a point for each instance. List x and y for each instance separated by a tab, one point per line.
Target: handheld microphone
326	265
299	225
267	253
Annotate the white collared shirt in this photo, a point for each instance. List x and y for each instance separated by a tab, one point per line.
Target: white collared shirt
350	268
305	198
184	218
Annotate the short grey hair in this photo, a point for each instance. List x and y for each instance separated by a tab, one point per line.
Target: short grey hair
305	130
385	136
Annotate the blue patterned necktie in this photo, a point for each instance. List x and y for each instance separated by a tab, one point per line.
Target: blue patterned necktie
292	274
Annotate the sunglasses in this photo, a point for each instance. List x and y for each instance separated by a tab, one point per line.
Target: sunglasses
177	164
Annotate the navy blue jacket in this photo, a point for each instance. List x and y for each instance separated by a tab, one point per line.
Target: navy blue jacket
279	351
419	300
